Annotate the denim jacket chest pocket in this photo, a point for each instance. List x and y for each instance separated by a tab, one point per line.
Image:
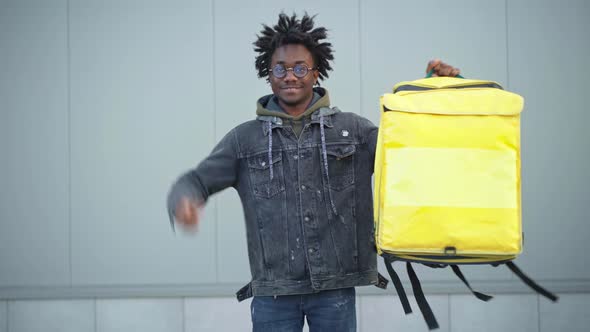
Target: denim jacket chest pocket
259	170
341	165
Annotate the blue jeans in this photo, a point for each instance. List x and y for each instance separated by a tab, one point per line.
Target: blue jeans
330	311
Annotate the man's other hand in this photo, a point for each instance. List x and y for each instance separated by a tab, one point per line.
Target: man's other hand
187	213
441	69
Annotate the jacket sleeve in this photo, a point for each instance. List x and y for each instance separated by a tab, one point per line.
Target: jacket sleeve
215	173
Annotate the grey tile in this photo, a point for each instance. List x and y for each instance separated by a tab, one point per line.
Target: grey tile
141	113
51	316
3	316
217	314
571	313
359	318
502	313
34	143
385	313
146	315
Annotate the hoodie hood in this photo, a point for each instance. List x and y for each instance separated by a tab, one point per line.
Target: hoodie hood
268	105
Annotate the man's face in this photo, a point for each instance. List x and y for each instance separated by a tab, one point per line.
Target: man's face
291	90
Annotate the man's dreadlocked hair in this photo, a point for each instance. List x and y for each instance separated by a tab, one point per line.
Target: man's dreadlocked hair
290	30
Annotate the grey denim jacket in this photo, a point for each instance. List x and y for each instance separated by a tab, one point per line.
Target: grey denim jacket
307	200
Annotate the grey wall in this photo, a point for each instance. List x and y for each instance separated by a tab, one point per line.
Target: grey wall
104	103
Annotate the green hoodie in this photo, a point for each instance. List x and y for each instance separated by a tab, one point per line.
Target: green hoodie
269	106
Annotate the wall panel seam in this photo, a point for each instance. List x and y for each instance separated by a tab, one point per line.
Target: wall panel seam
95	315
215	201
183	314
449	313
538	313
360	55
226	290
69	121
507	45
360	306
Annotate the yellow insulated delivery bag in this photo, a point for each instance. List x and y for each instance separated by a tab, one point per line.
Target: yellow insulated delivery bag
447	180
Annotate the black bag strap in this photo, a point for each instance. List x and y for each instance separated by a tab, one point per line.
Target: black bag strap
399	288
479	295
421	299
531	283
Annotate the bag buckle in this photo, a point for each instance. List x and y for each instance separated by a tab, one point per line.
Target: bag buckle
450	251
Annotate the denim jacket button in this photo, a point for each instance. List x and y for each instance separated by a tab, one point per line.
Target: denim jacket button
306	218
310	250
295	157
303	187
